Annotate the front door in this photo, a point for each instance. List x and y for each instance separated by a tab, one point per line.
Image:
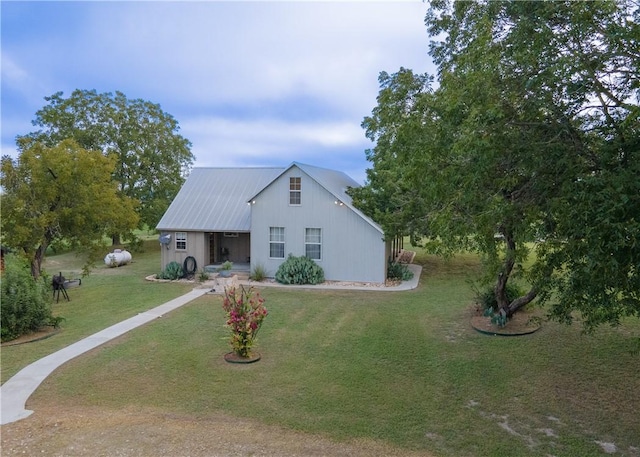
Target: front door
212	248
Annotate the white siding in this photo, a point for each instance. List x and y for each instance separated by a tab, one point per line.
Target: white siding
352	249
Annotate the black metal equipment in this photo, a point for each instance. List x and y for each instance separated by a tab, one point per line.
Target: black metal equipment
58	286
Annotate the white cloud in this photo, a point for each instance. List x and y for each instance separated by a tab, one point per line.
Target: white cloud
225	52
12	73
16	79
261	141
250	82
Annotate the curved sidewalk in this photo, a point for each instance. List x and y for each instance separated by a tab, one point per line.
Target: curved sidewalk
16	391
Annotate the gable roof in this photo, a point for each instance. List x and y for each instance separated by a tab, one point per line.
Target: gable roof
333	181
215	199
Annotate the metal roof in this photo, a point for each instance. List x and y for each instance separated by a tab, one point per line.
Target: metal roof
215	199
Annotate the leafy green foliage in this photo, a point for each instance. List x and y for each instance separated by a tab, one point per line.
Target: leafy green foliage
487	297
299	270
61	194
529	144
397	270
172	271
259	273
26	302
151	157
203	275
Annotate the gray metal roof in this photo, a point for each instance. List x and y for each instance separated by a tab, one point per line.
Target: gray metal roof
215	199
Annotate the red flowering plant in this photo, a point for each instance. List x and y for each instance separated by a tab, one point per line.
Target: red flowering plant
245	313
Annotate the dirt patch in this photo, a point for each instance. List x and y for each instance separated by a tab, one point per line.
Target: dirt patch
73	431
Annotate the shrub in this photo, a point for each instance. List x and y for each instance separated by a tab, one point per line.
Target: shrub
259	273
203	275
172	271
26	302
299	270
245	312
487	298
396	270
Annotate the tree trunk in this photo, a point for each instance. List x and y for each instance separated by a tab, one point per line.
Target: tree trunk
36	262
500	289
520	302
115	239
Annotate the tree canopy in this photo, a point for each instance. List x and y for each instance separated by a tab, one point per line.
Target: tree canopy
61	194
152	158
526	148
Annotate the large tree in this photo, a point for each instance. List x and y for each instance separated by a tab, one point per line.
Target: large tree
529	142
59	194
152	158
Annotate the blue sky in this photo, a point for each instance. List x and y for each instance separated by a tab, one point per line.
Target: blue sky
250	83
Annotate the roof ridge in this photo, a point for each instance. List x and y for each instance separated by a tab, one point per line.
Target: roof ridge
239	168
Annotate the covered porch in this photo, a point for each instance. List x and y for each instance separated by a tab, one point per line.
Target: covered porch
234	247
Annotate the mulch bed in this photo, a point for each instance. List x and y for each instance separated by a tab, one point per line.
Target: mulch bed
521	323
232	357
41	334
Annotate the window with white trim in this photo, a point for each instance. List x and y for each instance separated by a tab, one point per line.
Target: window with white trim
295	190
276	242
181	241
313	243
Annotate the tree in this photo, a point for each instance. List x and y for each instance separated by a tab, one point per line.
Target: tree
529	145
152	159
61	194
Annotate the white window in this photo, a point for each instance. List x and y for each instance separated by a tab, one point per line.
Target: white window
181	241
295	191
276	242
313	243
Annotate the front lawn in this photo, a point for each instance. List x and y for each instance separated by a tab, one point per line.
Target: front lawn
106	297
404	367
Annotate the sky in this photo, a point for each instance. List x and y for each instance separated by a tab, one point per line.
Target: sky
260	83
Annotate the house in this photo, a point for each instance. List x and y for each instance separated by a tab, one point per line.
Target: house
258	216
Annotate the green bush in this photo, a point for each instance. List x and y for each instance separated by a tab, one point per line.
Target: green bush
259	273
400	271
26	302
172	271
299	270
487	298
203	275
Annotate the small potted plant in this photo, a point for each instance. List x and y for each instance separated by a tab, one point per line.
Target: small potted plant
225	269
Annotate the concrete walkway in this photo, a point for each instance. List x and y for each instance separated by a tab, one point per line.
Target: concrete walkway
16	391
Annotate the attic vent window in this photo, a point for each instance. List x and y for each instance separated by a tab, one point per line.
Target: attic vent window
295	191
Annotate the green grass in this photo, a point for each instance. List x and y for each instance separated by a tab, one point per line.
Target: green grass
106	297
401	367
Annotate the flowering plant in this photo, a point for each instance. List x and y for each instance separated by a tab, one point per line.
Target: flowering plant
245	313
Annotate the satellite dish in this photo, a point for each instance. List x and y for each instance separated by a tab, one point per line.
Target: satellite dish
165	239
